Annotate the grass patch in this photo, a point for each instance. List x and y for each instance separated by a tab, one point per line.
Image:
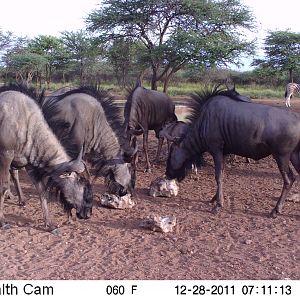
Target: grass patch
186	89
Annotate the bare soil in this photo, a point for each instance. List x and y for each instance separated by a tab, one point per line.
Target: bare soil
242	242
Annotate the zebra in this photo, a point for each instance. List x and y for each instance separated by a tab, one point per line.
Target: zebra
290	89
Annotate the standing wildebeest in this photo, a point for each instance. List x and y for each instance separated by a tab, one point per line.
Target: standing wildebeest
27	141
227	123
85	117
147	110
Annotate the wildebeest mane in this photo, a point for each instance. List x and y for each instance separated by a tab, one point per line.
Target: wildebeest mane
112	112
24	89
201	98
128	103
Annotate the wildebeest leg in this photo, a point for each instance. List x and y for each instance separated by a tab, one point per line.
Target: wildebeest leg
6	158
219	174
41	188
46	217
15	177
145	146
288	180
160	144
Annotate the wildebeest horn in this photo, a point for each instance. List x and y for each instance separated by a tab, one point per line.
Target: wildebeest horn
77	164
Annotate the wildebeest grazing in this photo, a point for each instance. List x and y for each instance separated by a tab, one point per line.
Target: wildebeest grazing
223	122
27	141
147	110
87	118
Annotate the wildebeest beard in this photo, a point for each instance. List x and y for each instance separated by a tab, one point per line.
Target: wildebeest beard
83	212
86	211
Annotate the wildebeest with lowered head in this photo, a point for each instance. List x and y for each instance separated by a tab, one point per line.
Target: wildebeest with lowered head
27	141
175	131
228	123
86	117
147	110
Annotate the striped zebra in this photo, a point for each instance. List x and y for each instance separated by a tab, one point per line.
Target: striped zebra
290	89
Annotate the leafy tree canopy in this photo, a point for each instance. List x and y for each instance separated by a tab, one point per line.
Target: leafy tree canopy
176	32
282	52
5	39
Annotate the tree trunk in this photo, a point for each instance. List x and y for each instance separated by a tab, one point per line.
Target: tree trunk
154	79
291	75
167	82
81	71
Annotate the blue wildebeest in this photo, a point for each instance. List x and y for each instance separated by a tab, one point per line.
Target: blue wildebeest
86	117
27	141
147	110
227	123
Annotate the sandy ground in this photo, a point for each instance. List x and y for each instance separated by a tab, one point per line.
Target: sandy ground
242	242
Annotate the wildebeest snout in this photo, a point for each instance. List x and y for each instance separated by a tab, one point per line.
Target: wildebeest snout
84	213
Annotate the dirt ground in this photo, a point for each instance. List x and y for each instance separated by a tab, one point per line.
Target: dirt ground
242	242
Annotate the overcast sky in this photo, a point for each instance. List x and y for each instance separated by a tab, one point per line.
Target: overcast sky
50	17
44	17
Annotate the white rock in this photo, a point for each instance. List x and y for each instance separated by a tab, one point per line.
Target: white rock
162	187
162	224
114	201
294	198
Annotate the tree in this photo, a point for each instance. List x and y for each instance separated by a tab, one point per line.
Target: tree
52	49
282	51
25	65
6	39
176	32
123	57
82	49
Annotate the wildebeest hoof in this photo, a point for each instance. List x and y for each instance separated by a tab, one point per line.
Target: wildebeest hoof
5	226
213	200
274	213
51	228
8	194
216	209
148	170
55	231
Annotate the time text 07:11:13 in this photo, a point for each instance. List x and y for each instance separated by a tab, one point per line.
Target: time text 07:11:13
232	289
